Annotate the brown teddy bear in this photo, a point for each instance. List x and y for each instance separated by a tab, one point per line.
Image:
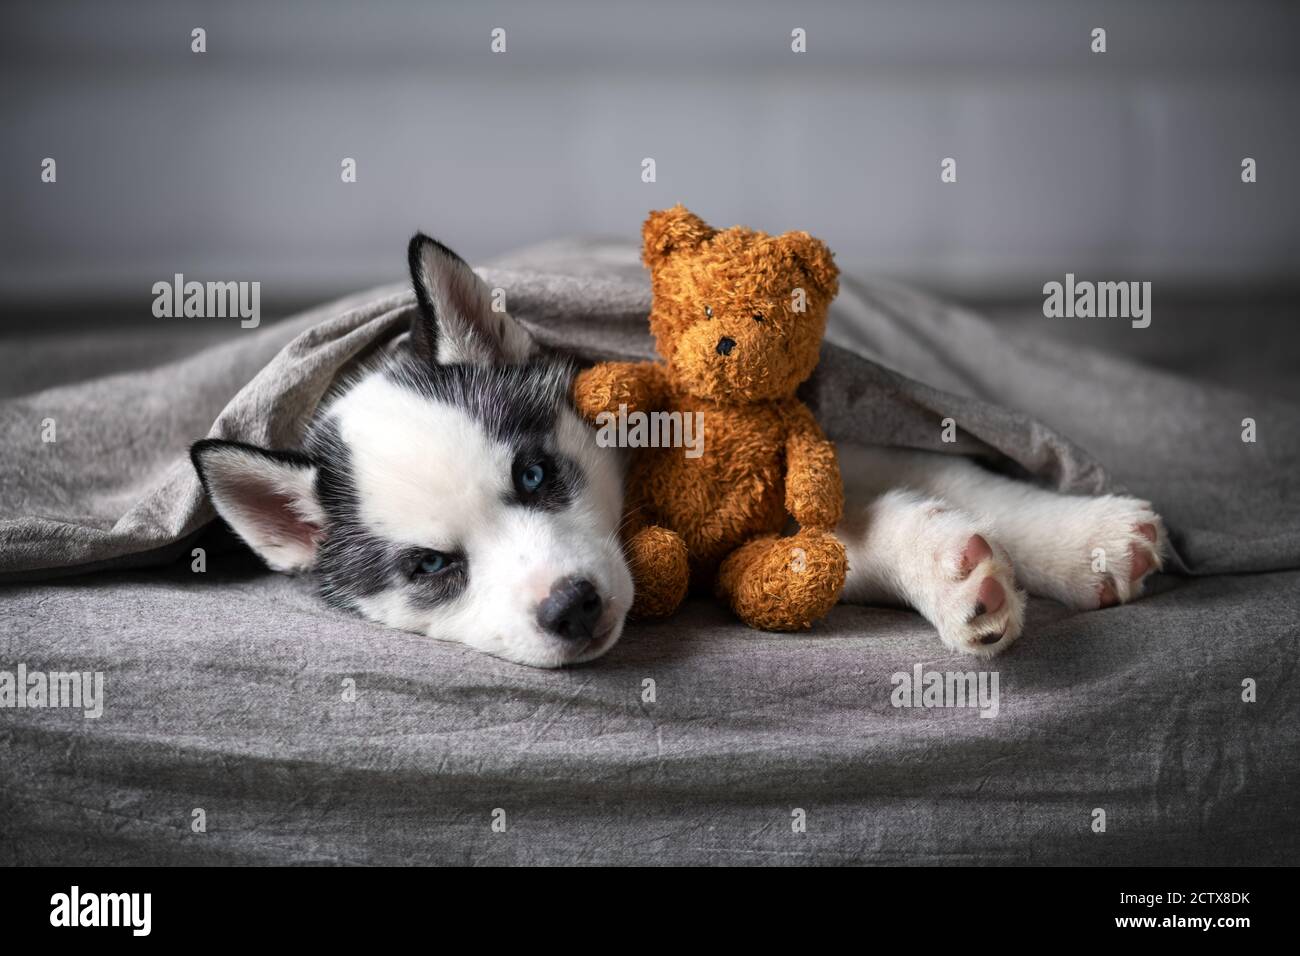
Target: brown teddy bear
738	318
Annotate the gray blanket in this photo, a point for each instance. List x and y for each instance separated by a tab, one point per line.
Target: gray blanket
225	690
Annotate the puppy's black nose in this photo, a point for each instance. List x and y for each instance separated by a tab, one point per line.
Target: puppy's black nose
571	609
725	345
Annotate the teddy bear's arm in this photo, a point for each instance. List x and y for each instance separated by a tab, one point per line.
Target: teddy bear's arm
814	492
641	386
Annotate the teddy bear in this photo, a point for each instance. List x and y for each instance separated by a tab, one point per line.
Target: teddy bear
737	317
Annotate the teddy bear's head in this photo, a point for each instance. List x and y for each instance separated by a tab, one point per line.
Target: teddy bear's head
738	314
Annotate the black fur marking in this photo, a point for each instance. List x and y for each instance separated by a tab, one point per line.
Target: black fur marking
352	562
518	405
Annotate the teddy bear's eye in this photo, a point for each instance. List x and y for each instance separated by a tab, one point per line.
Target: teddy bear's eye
758	316
708	312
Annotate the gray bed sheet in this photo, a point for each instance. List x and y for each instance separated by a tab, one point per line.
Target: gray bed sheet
228	691
225	692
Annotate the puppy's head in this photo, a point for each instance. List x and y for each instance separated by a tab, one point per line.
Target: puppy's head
452	491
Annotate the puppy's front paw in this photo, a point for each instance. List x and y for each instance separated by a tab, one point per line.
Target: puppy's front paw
1102	553
974	600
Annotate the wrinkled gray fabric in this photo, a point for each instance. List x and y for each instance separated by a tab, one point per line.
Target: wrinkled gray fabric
224	690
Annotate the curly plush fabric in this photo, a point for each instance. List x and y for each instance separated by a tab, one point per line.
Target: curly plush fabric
738	318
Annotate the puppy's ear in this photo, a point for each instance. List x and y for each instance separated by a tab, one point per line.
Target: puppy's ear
455	323
671	230
268	498
815	259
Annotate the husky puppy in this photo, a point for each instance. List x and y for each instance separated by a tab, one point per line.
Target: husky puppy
453	490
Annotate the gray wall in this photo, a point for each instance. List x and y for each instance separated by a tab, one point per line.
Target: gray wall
226	165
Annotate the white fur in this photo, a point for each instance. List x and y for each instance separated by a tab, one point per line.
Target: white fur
908	515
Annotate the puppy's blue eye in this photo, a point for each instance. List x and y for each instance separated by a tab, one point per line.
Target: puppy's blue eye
708	312
431	562
532	477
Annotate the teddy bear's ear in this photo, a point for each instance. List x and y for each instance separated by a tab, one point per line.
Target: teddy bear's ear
671	230
816	260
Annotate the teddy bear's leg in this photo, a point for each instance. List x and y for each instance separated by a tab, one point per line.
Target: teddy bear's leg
657	559
784	584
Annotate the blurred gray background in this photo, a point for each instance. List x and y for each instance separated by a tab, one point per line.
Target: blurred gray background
226	165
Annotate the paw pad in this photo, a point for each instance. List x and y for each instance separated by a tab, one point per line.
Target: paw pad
1140	563
990	597
978	608
976	550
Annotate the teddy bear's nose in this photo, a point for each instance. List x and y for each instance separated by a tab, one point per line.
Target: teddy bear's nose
725	345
